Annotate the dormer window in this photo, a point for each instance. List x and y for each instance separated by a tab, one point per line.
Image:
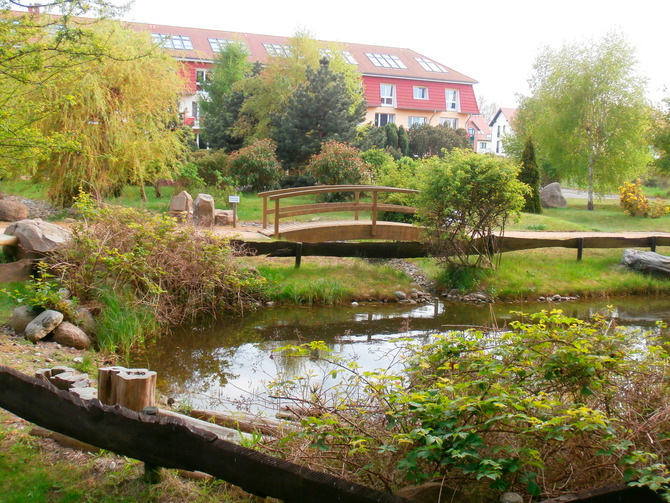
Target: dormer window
385	60
177	42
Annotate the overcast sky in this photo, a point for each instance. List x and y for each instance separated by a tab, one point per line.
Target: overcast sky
494	42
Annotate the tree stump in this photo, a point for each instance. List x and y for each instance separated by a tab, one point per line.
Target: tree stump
107	384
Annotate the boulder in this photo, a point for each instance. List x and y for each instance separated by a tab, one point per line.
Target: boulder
21	317
71	336
552	197
20	270
203	210
43	325
11	211
647	262
85	320
37	237
181	206
223	217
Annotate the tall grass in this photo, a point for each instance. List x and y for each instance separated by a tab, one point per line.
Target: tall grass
122	324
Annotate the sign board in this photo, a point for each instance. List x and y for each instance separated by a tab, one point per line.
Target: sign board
233	199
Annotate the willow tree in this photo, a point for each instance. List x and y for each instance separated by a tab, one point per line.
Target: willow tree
120	118
588	114
36	50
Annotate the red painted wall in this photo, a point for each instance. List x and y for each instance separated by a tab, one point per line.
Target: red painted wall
405	94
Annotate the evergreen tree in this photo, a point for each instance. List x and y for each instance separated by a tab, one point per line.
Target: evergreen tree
530	175
319	110
391	135
403	141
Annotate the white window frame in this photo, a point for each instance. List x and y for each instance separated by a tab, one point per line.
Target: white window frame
430	66
449	121
482	145
386	60
420	93
453	101
419	121
390	118
387	99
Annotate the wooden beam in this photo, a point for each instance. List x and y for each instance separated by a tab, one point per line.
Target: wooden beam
171	443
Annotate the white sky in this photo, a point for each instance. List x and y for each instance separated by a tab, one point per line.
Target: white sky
492	41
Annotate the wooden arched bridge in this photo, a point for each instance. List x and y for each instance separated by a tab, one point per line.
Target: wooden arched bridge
336	230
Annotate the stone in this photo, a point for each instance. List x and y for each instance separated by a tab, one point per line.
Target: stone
68	380
223	217
432	492
400	295
11	211
511	498
203	210
354	304
552	197
43	325
21	317
647	262
36	237
71	336
85	320
181	206
88	393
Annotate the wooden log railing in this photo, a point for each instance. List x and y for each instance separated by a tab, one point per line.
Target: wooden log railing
356	206
173	443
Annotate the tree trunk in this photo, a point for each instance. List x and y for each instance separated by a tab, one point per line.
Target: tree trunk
143	194
589	205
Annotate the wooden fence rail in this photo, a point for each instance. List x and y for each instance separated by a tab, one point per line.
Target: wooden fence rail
172	443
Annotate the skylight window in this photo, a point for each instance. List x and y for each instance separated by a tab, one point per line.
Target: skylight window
178	42
345	54
430	66
386	60
218	44
283	51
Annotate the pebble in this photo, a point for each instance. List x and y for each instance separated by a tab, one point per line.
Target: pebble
78	359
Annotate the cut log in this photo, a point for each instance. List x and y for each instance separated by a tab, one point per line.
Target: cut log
107	385
135	388
248	423
647	262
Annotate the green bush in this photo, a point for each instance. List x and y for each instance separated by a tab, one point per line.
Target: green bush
212	168
256	166
465	199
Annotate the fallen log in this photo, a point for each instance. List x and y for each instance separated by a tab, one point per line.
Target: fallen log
647	262
170	442
247	423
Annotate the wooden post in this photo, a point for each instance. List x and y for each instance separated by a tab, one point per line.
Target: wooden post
152	472
298	254
265	212
580	249
374	213
653	244
107	384
357	199
276	217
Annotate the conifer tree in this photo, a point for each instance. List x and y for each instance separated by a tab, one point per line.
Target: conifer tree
403	141
391	135
530	175
319	110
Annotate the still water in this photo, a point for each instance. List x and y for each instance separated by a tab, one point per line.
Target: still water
225	364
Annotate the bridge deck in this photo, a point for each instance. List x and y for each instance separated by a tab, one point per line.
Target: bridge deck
344	230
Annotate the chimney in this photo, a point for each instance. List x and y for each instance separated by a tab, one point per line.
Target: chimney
34	9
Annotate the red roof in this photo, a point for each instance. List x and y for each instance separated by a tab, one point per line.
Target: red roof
413	69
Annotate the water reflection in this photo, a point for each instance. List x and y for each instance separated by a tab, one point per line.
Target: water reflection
225	364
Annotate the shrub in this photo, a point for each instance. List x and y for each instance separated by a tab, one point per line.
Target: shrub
256	166
551	406
466	198
147	260
636	204
212	168
337	164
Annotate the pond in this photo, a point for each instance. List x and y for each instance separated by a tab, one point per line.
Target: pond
225	364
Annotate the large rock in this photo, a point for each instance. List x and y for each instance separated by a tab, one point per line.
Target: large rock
11	211
43	325
552	197
223	217
203	210
20	270
647	262
70	335
85	320
181	206
36	237
21	317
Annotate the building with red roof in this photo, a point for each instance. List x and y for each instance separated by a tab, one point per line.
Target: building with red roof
400	85
501	125
480	134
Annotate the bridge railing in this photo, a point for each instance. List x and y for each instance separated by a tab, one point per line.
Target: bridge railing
277	212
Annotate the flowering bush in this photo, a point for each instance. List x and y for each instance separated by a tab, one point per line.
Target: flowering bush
256	166
337	164
636	204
